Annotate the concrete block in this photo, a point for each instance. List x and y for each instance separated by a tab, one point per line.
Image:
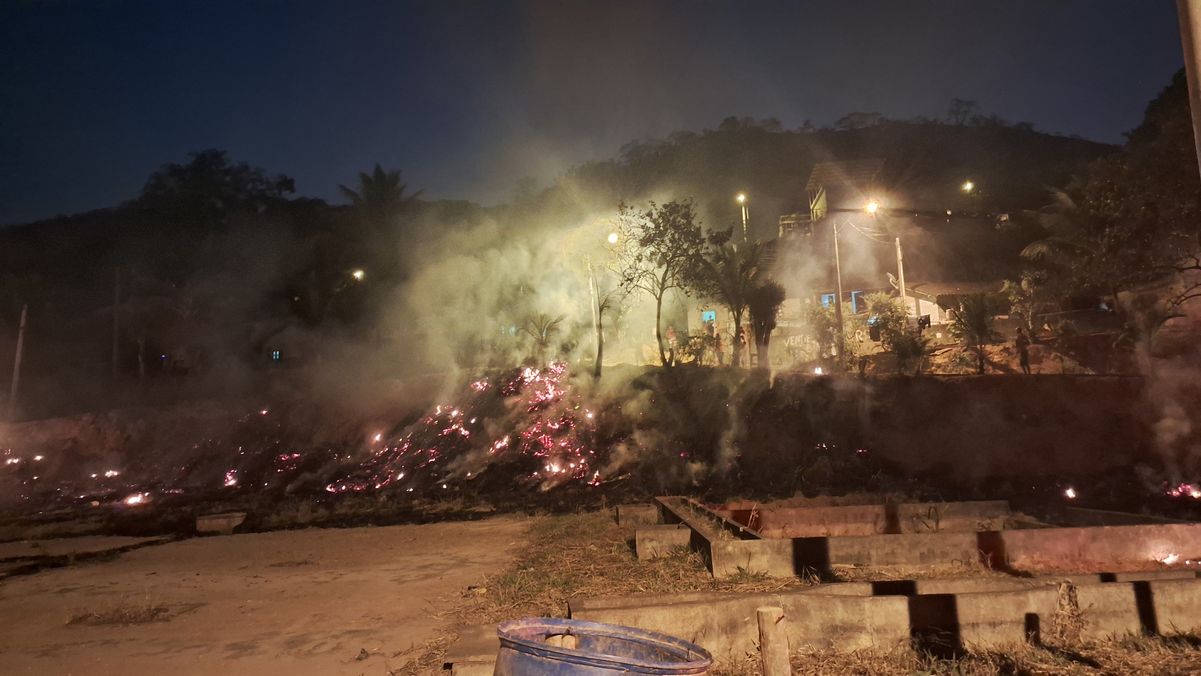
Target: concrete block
726	625
918	549
474	653
995	619
1112	548
1175	604
223	523
1108	610
773	557
778	520
652	542
638	515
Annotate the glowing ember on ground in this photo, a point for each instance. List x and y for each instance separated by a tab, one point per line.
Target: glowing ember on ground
12	461
1169	559
37	458
263	412
1185	490
231	477
817	371
378	437
543	422
137	499
1069	493
111	473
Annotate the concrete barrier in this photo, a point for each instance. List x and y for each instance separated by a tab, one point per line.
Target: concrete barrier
770	520
880	615
653	542
1092	547
638	515
731	547
725	624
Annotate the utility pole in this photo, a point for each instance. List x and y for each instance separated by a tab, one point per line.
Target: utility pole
842	339
741	199
901	279
594	293
1190	32
116	319
12	393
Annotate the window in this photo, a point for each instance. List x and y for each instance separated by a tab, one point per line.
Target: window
276	355
827	299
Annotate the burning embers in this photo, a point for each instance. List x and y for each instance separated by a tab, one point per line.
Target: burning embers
1184	490
529	419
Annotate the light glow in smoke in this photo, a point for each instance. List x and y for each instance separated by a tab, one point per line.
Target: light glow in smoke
137	499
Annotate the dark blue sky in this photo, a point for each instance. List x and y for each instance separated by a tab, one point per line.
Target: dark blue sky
469	97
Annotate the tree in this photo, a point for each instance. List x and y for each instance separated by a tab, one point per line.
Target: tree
905	342
1027	296
909	346
731	271
822	322
380	195
378	204
888	316
961	111
858	121
659	249
209	188
973	325
1134	217
763	301
542	329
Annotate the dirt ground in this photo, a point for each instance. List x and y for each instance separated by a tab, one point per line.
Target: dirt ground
316	601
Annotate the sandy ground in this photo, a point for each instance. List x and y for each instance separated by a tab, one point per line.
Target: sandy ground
294	602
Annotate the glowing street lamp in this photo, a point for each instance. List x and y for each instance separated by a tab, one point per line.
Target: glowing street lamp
872	207
967	186
359	274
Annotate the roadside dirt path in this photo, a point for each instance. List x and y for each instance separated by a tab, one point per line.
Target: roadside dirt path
316	601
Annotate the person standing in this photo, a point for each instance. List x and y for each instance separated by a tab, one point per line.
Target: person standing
1022	342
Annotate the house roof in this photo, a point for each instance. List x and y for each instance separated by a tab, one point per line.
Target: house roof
857	173
935	289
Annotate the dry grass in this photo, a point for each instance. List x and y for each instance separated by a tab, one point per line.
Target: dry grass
122	615
586	555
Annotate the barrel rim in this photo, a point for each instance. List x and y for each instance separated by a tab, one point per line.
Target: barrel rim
686	649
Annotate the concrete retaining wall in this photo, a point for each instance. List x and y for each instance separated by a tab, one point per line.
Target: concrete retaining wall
1092	548
725	624
775	520
868	615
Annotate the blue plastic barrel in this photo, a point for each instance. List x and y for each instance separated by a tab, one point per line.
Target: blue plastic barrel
551	646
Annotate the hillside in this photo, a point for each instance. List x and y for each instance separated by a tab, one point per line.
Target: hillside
925	163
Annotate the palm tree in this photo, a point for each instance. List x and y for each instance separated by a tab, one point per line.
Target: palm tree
973	324
1065	240
764	301
541	328
380	194
731	271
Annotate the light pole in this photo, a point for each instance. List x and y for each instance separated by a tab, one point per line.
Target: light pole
741	199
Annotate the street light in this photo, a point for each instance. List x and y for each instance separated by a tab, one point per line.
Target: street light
968	186
741	199
358	274
872	207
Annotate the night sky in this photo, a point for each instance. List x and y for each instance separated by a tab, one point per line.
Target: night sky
470	97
